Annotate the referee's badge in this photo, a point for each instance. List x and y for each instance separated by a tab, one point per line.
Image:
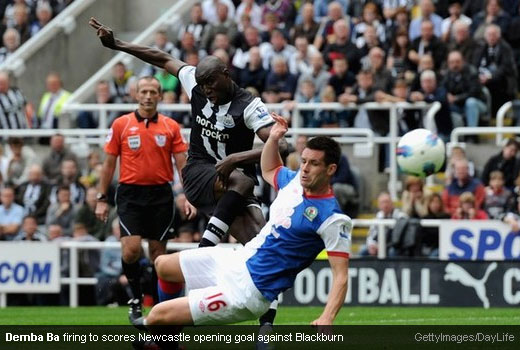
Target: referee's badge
160	140
310	213
134	142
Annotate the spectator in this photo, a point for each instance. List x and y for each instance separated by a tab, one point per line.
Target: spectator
308	26
464	89
86	216
370	19
455	10
363	92
11	215
429	237
322	8
386	211
506	162
397	61
225	25
29	231
429	93
427	43
499	199
342	46
11	42
370	40
88	264
51	102
318	73
493	14
455	154
276	47
187	46
169	83
118	85
462	41
43	17
62	212
112	286
272	23
383	79
300	61
326	34
326	117
414	205
399	23
462	182
497	68
346	188
250	9
14	109
467	210
20	158
512	218
254	74
91	119
427	14
306	94
21	22
52	163
210	10
342	78
196	25
294	158
161	42
244	42
392	7
281	79
282	9
69	176
33	194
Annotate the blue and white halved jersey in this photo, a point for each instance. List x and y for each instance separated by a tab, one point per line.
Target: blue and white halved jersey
299	228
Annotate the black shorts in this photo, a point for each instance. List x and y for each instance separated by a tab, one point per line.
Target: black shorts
199	177
146	211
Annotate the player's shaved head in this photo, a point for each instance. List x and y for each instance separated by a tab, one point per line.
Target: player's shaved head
212	75
208	67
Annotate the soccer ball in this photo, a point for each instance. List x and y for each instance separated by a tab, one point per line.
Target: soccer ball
420	153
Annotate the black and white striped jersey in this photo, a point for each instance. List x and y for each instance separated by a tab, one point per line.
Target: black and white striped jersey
218	131
12	109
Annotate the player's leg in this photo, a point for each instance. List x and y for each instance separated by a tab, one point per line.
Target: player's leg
246	226
131	252
161	217
230	205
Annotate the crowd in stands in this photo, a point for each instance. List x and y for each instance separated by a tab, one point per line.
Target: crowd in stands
352	52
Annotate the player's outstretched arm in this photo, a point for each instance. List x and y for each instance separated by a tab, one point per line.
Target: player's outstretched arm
270	159
339	266
150	55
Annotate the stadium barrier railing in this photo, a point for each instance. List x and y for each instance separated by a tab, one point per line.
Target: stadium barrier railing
74	280
296	122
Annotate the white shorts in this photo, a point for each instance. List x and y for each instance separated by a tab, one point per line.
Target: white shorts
220	287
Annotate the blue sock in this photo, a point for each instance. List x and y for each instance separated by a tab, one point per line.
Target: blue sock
168	290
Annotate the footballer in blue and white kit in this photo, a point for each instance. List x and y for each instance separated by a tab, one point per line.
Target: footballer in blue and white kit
227	286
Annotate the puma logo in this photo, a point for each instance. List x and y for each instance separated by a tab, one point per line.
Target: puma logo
455	273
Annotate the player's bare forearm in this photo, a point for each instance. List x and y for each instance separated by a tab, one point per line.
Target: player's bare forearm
107	173
338	291
270	159
150	55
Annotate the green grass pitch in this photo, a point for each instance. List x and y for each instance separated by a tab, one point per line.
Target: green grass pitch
286	316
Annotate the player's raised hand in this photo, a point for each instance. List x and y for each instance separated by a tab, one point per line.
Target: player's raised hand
279	128
104	33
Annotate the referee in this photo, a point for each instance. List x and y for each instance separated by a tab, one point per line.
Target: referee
145	142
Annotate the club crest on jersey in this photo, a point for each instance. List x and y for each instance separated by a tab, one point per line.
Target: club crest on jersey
310	213
228	121
160	140
134	142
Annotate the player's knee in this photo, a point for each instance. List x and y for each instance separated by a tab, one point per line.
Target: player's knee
131	254
241	183
160	265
